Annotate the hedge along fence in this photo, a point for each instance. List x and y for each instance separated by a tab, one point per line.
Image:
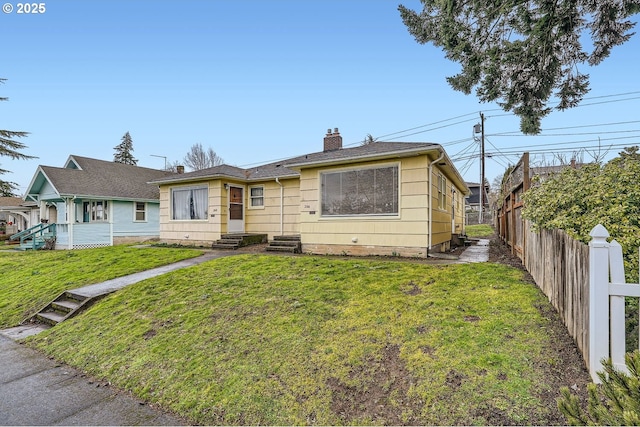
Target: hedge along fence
559	265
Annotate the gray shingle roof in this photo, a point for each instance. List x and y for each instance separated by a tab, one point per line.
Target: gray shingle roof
289	167
105	179
11	201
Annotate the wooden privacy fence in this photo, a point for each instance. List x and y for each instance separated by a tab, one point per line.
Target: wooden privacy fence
509	221
586	285
559	265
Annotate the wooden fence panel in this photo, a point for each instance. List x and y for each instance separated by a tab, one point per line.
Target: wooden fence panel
559	265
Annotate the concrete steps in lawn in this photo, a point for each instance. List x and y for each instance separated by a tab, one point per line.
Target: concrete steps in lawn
65	306
290	244
237	240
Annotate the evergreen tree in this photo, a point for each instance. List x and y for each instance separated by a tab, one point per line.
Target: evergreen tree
615	403
124	151
369	139
9	147
522	53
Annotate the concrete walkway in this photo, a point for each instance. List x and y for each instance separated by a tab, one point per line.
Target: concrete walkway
476	253
35	390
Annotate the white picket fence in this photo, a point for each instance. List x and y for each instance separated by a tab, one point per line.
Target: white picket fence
607	292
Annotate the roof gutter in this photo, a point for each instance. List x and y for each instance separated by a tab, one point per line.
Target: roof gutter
429	243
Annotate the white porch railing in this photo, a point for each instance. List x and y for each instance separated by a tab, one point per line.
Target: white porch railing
607	292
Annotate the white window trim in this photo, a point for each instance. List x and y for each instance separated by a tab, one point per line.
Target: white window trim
250	199
135	211
189	187
442	192
105	212
361	217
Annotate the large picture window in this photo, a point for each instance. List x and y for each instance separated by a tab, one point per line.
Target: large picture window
189	203
371	191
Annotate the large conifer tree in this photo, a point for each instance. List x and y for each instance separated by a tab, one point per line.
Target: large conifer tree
9	148
124	151
522	53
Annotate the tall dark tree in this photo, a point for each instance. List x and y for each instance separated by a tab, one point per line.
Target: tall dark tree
124	151
199	158
520	53
9	147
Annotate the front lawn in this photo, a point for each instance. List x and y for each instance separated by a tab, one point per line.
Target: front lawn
31	279
271	340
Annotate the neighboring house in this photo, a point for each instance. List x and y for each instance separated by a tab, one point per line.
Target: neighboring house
473	201
384	198
97	203
16	214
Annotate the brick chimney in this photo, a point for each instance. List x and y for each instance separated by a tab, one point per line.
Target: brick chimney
180	169
332	141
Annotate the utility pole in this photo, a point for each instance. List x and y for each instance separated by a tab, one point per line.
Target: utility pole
479	128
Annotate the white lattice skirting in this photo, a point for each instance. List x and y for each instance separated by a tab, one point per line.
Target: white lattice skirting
91	246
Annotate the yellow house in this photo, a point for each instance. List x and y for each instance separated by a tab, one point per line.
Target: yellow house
382	198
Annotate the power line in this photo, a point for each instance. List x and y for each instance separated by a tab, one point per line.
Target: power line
511	133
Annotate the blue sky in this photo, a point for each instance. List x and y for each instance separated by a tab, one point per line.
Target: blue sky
263	80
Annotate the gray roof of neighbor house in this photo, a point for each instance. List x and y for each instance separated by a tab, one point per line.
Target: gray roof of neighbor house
290	167
87	177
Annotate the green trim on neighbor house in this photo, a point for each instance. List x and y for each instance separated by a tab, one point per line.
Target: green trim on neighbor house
94	202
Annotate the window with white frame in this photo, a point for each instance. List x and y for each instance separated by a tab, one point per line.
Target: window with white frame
359	192
442	191
189	203
95	211
140	214
256	197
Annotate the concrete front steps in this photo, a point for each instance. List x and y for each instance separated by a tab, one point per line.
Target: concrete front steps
238	240
65	306
290	244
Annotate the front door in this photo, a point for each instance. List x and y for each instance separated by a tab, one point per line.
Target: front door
235	223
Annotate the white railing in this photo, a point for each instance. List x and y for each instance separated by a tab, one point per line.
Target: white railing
607	292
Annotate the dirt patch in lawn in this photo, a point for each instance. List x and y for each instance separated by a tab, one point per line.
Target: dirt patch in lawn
372	402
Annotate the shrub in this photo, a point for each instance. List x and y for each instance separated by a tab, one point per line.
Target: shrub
615	402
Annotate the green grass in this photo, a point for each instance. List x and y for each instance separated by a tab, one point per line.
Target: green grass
32	279
258	339
480	231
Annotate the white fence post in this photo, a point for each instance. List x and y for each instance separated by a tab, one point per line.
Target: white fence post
598	300
617	313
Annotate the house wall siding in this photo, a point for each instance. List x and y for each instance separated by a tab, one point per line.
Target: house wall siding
124	224
442	227
196	232
48	192
86	235
267	219
404	234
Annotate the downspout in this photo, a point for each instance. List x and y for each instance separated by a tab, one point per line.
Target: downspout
431	200
281	206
